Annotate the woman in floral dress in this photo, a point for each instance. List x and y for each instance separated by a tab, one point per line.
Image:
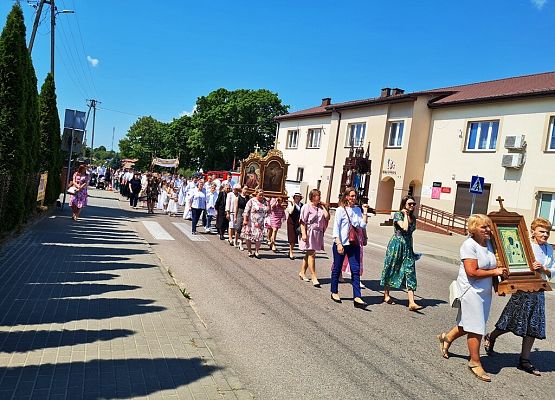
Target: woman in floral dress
399	265
79	199
255	212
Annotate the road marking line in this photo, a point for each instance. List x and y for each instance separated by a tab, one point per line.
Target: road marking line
186	229
157	231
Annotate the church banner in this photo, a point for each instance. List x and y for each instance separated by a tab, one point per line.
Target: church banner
166	162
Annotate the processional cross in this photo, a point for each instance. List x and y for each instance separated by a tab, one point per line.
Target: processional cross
500	200
256	148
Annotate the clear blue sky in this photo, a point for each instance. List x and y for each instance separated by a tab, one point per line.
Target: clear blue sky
156	57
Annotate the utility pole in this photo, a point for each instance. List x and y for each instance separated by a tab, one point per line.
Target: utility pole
113	133
36	24
52	35
92	105
53	12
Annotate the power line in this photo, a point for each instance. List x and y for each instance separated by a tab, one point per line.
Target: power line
83	46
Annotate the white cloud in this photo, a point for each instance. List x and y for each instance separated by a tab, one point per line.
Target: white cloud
93	61
189	113
539	3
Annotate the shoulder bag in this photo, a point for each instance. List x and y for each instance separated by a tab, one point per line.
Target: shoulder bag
353	236
454	295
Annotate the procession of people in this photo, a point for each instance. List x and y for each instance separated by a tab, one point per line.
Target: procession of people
249	220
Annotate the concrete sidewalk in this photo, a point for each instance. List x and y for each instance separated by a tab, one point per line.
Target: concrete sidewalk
89	312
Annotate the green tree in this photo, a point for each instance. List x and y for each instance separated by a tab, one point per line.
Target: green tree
145	139
176	141
50	154
14	101
227	125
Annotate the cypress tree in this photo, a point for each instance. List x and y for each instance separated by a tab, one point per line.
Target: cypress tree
50	157
13	103
31	135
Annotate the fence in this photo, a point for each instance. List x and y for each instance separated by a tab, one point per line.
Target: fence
443	219
30	183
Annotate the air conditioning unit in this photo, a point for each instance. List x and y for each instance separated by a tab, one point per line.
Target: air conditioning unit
512	160
515	142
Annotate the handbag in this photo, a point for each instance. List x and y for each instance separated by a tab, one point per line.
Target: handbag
72	190
353	235
454	295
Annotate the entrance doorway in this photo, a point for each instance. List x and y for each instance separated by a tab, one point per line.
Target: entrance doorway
384	197
463	200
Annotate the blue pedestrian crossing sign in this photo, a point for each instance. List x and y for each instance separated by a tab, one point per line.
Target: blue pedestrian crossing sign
477	184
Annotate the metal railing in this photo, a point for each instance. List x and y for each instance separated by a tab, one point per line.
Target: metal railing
443	219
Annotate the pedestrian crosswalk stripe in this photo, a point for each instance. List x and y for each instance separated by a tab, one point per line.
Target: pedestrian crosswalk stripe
157	231
186	229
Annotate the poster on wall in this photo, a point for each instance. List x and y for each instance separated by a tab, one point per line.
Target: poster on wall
436	190
426	191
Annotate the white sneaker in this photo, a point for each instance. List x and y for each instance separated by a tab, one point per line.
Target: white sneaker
241	246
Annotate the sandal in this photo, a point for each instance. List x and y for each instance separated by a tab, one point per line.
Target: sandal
415	307
489	343
479	372
442	342
526	366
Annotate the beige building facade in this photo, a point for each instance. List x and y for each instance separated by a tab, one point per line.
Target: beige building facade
429	144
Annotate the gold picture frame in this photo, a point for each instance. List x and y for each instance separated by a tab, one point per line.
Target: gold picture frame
513	251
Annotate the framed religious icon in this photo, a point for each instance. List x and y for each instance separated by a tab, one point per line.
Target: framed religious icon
513	251
267	173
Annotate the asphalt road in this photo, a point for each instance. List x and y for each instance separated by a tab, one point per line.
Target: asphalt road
288	340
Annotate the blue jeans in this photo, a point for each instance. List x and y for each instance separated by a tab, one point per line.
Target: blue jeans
195	214
353	253
208	221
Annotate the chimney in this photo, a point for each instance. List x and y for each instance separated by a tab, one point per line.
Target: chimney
326	101
396	91
386	92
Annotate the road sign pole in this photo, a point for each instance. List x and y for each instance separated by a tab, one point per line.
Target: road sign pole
472	205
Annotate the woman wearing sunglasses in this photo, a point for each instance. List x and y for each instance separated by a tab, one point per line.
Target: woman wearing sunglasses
399	264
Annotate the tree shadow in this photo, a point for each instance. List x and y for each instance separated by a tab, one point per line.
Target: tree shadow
103	379
51	311
23	341
46	290
53	277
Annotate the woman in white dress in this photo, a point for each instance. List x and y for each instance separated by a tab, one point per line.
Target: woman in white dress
478	267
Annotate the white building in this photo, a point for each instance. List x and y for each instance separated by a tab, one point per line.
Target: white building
502	130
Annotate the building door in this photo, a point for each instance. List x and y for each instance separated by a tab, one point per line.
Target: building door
384	198
463	200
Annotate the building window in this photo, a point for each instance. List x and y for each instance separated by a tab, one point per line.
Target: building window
300	173
482	135
313	138
292	139
396	134
355	135
546	207
551	138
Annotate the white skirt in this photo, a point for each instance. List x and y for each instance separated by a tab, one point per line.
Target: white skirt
172	207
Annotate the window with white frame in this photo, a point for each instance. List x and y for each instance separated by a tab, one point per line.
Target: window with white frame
482	135
355	135
396	134
313	138
546	206
551	135
300	174
292	139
